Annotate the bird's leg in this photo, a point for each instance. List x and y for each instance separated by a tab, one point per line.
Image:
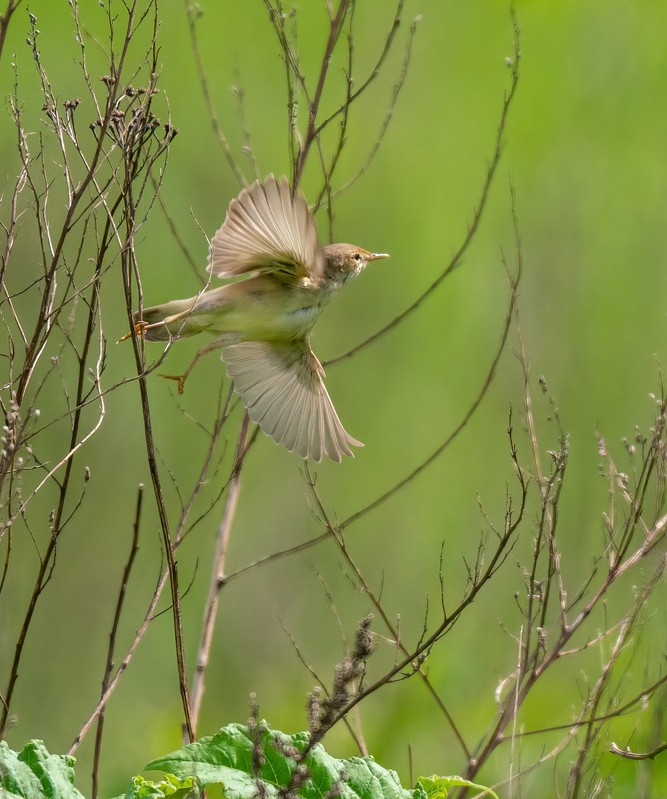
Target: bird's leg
182	378
140	328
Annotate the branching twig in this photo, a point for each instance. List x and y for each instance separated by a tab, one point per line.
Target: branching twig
629	755
458	256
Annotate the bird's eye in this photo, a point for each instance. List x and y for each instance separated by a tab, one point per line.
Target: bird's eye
357	257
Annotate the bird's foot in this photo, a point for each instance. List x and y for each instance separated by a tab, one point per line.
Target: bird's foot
139	329
180	379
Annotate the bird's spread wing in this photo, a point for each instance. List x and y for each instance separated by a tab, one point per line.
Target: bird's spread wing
282	388
267	228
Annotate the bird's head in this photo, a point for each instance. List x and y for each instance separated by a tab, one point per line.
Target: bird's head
345	261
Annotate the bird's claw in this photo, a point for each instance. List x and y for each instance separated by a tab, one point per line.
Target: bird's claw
180	379
139	329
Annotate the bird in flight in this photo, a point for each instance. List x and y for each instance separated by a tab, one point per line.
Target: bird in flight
262	321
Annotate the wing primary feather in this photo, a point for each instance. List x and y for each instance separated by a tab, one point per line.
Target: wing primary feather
281	385
268	229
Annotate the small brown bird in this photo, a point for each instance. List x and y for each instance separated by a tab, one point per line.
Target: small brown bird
262	322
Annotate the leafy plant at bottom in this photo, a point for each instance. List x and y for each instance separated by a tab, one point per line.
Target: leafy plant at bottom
257	761
246	761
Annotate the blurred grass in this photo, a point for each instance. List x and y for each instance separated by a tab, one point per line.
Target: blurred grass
586	153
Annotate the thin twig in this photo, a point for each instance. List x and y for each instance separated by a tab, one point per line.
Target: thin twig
5	19
192	13
458	429
469	237
336	533
218	574
630	755
108	668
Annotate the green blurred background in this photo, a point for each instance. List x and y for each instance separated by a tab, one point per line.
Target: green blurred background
586	149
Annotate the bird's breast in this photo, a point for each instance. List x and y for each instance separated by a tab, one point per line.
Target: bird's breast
265	309
302	319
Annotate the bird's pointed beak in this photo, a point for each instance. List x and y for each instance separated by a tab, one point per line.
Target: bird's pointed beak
376	256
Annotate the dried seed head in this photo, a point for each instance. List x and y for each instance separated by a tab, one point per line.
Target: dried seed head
364	642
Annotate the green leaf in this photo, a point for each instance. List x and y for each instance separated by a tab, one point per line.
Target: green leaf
228	758
438	787
171	786
33	773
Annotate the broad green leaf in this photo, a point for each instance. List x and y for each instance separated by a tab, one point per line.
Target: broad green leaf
227	758
438	787
33	773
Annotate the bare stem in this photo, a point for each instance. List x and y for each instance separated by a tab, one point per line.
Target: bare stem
218	575
108	668
5	18
469	237
192	13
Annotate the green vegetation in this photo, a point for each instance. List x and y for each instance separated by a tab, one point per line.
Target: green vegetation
244	761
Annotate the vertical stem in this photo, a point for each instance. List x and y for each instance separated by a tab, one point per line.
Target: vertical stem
218	575
169	551
134	548
311	133
12	5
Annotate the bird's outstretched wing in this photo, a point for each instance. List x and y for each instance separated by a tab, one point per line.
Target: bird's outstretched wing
268	229
282	388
